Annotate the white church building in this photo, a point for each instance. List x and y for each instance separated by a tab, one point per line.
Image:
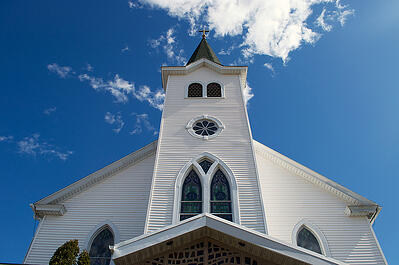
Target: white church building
206	192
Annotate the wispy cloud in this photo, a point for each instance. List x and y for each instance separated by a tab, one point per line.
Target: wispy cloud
134	4
89	67
142	122
61	71
6	138
114	119
248	94
33	146
125	49
169	45
120	89
321	21
273	27
49	110
269	66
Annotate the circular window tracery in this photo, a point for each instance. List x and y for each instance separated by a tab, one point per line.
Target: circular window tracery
204	127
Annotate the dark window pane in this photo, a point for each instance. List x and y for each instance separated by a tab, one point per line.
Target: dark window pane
221	207
195	90
205	127
192	190
228	217
99	249
213	90
307	240
186	216
220	189
191	196
191	207
205	164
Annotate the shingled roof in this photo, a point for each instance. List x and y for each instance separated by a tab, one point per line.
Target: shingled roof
204	51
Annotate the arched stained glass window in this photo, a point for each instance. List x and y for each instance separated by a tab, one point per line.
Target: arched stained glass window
205	164
100	254
213	90
307	239
220	196
191	198
194	90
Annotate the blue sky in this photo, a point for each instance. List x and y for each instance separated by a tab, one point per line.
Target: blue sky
81	88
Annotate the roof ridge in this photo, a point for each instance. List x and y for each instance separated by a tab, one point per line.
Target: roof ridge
203	50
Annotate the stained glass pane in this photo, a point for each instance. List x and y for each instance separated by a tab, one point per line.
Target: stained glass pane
100	254
307	240
220	189
195	90
186	216
205	164
213	90
191	207
228	217
220	207
192	188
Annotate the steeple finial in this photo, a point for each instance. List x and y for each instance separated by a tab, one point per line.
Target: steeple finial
203	32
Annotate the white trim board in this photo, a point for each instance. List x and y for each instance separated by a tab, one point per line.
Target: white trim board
228	228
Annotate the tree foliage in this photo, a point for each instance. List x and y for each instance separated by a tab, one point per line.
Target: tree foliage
67	254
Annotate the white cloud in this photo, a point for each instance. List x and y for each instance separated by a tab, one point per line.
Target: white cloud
125	49
142	122
169	45
132	4
49	110
32	145
248	94
267	27
320	21
6	138
269	66
89	67
120	89
61	71
116	120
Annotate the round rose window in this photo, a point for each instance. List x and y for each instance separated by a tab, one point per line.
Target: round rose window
205	127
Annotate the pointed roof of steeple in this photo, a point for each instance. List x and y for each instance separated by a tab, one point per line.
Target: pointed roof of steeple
204	51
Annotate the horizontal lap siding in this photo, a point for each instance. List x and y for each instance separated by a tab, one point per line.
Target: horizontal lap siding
289	198
121	199
176	146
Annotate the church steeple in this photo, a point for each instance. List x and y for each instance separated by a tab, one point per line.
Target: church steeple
204	51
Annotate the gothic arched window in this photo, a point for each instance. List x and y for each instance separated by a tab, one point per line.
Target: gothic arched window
213	90
99	253
194	90
220	196
308	240
191	197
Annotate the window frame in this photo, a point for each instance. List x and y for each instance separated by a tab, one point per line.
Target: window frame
321	239
204	89
192	122
97	229
206	179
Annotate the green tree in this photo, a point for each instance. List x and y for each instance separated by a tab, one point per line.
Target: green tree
84	258
67	254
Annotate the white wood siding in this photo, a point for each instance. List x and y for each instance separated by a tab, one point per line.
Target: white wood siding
176	146
121	199
289	198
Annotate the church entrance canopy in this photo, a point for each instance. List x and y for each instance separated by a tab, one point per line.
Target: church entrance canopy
207	239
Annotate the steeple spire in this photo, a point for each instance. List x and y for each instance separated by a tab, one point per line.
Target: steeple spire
203	50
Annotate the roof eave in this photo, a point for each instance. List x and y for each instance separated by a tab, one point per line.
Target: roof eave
233	230
182	70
